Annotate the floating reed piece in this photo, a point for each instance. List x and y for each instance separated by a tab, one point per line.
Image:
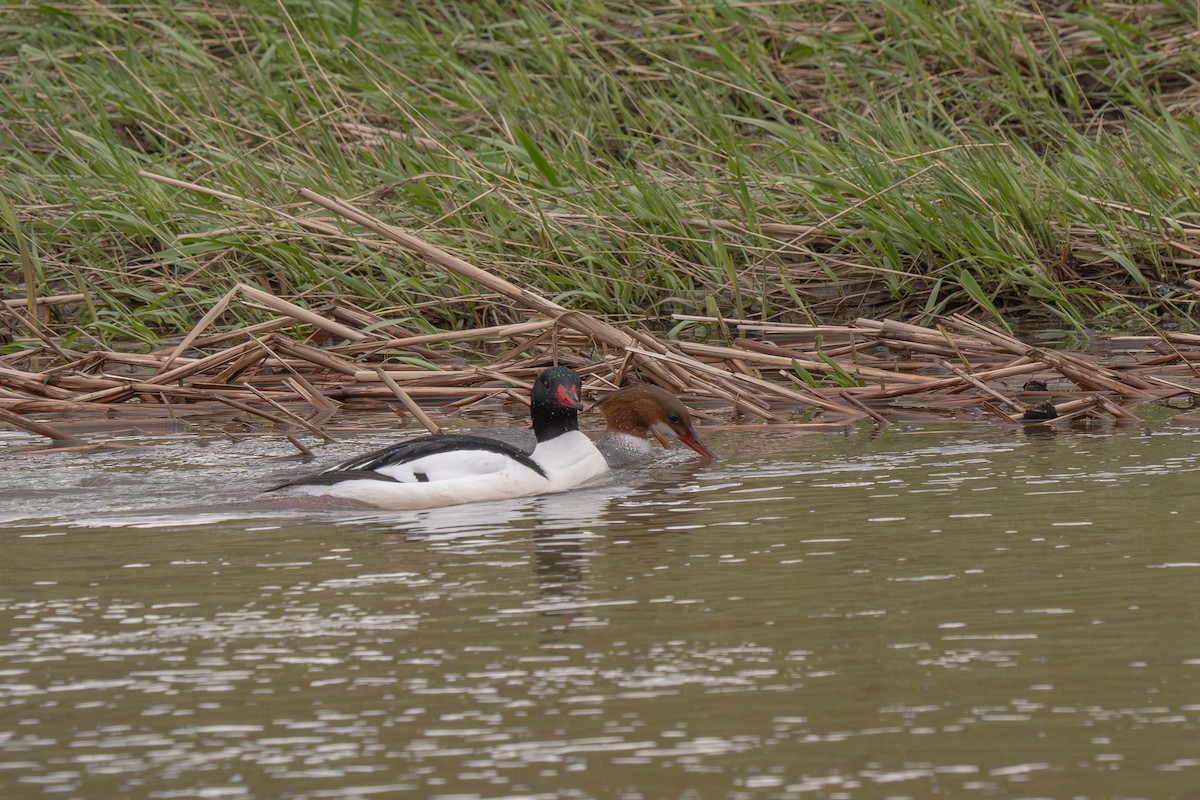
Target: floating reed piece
881	370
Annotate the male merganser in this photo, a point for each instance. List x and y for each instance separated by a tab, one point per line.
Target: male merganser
632	415
448	469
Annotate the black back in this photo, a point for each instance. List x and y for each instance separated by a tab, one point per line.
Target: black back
363	467
432	445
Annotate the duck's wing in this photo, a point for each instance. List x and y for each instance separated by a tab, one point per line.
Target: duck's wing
328	478
442	444
521	438
424	459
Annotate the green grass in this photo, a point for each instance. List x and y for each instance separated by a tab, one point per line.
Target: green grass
1000	158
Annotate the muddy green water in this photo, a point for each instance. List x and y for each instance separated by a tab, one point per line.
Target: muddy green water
958	613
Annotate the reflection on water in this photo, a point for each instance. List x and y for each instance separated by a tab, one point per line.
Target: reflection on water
968	612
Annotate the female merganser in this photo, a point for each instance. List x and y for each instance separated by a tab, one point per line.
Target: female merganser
635	413
632	415
448	469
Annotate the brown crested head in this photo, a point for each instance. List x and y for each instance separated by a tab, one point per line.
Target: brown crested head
643	409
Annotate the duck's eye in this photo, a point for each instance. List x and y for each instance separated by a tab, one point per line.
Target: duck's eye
674	418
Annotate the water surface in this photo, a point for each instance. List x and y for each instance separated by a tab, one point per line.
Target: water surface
957	612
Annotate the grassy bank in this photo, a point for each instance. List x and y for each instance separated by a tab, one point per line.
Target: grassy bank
784	161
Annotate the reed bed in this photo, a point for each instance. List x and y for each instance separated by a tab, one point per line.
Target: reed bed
297	367
802	162
711	196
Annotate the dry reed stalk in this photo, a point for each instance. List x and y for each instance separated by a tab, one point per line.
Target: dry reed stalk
201	391
520	398
426	376
150	360
349	314
790	328
863	407
32	383
1088	376
787	426
314	355
342	310
903	331
1080	404
588	325
214	312
32	426
593	328
1087	409
1117	411
730	382
1178	387
47	300
986	406
981	386
785	361
120	393
269	326
1171	359
1017	367
35	327
258	412
319	402
88	362
302	314
523	347
852	350
497	332
674	376
41	405
86	383
241	365
379	389
408	402
200	365
950	384
737	400
621	370
290	415
1187	339
918	347
511	378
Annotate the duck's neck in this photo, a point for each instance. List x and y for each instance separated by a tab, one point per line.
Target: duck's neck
553	422
621	448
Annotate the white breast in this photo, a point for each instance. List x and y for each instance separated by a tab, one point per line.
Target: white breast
569	460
